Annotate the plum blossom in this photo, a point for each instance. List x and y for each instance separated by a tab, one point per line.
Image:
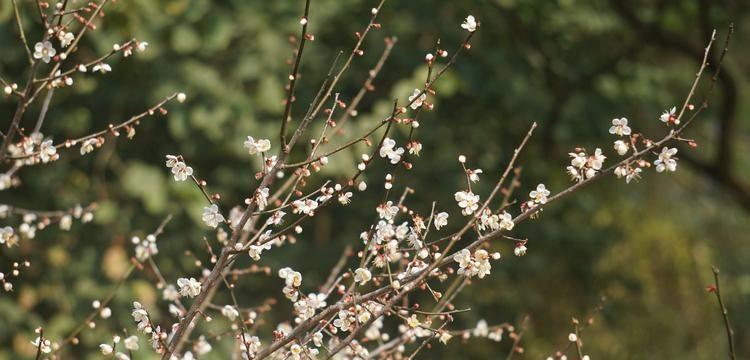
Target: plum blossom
261	198
44	51
189	287
257	146
66	38
47	151
470	24
441	220
474	174
131	343
230	312
520	249
180	170
102	68
621	147
668	116
417	99
620	127
211	216
362	276
140	315
665	160
387	211
44	345
390	151
306	207
539	195
478	265
467	201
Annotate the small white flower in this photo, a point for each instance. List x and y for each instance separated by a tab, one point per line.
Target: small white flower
345	198
105	349
257	146
540	194
211	216
43	345
181	97
413	322
181	171
102	68
66	38
230	312
441	220
445	336
261	198
621	147
474	175
362	276
467	201
131	343
620	127
506	221
88	146
387	211
47	151
665	160
141	46
572	337
470	24
520	250
44	51
390	151
668	115
306	207
578	160
189	287
597	160
417	98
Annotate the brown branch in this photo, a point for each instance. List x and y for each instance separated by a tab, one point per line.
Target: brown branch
724	313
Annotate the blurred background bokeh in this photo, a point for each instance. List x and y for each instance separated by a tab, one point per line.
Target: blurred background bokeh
569	65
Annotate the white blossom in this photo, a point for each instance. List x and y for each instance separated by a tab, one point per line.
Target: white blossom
257	146
441	220
47	151
189	287
230	312
88	146
668	115
43	345
211	216
665	160
44	51
106	349
180	170
390	151
467	201
102	68
417	99
520	250
539	195
470	24
387	211
66	38
261	198
131	343
620	127
621	147
362	276
306	207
